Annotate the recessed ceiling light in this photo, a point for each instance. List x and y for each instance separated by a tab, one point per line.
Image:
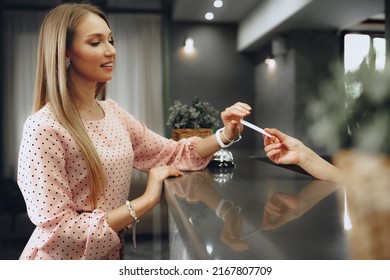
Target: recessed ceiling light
209	16
218	3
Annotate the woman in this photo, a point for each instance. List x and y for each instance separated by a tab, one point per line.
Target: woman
77	152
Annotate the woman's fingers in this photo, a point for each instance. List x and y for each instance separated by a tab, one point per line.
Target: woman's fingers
173	171
276	133
162	172
241	108
238	110
270	147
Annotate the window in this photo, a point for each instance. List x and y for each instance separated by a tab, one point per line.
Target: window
361	51
366	89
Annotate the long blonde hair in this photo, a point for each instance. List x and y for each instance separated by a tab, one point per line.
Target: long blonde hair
52	84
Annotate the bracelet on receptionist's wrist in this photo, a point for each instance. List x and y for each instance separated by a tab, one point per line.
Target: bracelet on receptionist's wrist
220	142
132	212
136	220
227	138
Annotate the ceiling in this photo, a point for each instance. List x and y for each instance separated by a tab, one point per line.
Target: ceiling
320	13
231	10
260	20
365	15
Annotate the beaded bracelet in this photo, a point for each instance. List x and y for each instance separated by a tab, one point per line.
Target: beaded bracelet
131	211
220	142
136	220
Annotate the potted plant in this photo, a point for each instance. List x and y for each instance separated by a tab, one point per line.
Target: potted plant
359	135
196	119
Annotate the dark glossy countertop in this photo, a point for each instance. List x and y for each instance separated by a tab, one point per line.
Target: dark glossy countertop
313	225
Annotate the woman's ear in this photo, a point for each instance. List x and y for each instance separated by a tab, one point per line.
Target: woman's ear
67	62
67	53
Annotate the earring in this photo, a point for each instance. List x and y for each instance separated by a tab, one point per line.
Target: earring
67	64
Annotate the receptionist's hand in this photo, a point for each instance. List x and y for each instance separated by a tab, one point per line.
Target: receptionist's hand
231	117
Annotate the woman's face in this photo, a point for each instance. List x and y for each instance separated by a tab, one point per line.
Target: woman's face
92	52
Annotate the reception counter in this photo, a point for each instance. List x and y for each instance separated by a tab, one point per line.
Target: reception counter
227	213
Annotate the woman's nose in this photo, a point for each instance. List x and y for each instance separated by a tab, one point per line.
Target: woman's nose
110	51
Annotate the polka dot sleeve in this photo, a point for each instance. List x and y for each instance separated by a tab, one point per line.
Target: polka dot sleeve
53	179
151	149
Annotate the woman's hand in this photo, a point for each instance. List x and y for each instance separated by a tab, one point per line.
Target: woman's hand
155	181
281	148
119	218
231	117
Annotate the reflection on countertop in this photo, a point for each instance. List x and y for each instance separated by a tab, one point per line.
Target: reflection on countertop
197	188
256	211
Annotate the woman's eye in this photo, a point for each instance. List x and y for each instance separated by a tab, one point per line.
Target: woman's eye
111	41
95	44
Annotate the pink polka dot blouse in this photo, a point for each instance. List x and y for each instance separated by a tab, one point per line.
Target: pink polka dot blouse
52	175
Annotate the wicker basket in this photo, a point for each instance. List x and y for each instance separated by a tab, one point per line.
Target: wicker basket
179	133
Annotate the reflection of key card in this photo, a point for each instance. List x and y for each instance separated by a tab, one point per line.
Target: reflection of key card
251	232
